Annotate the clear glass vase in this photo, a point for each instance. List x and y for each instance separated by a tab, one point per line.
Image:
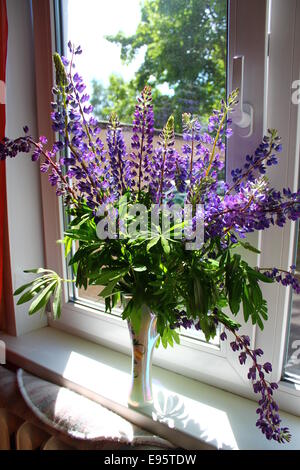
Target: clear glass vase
143	344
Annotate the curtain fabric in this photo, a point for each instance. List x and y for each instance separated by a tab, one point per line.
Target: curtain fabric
3	56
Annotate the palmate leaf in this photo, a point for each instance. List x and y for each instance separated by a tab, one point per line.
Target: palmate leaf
168	337
42	299
40	291
242	287
34	287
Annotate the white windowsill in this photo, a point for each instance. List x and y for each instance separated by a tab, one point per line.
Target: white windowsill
188	413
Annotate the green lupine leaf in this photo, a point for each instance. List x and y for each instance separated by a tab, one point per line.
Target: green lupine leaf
45	303
107	304
136	318
246	309
164	341
27	296
176	336
152	243
57	301
127	310
108	290
257	295
39	271
249	247
22	288
68	246
41	300
264	312
165	245
259	322
107	275
235	294
116	298
170	340
36	286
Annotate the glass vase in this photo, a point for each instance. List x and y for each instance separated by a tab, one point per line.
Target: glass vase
143	344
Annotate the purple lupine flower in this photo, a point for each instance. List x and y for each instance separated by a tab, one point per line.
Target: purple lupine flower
269	420
265	155
117	154
267	367
43	140
234	346
139	164
163	173
242	358
184	322
223	336
285	278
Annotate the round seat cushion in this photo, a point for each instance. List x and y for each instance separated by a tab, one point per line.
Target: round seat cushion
80	417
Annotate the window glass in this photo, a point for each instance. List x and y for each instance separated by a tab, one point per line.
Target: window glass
176	46
179	47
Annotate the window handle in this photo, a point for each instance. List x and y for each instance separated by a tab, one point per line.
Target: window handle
242	116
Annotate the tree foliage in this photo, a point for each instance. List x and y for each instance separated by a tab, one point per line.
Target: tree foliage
185	47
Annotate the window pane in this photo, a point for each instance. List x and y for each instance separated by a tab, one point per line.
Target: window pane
176	46
292	368
179	47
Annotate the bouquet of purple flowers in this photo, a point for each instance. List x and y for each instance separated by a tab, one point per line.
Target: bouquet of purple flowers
160	225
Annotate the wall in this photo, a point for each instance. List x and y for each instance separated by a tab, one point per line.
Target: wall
23	182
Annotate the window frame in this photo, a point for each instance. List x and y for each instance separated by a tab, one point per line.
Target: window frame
217	366
282	114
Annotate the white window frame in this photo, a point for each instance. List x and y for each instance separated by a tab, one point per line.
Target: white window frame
215	365
282	114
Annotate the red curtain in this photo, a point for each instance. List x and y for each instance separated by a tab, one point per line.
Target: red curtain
3	55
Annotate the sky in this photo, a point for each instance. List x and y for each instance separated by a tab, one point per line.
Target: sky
88	23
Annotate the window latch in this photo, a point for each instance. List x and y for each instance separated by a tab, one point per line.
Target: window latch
242	116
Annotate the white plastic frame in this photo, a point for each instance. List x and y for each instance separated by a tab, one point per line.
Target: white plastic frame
248	36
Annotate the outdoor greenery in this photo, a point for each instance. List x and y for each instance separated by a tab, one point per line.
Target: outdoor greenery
185	47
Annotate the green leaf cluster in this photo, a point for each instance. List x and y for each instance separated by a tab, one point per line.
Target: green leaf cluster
48	284
158	272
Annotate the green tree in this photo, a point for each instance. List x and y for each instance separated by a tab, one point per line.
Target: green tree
185	43
118	97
